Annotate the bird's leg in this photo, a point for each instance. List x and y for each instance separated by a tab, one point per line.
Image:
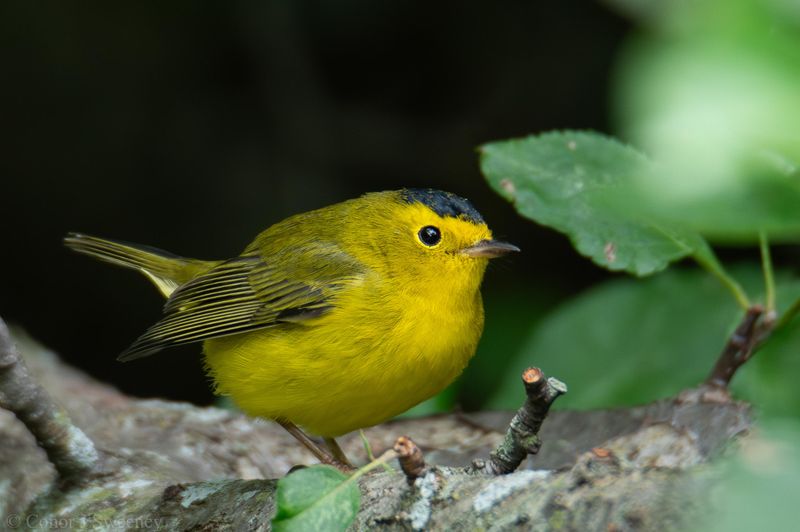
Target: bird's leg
322	454
337	451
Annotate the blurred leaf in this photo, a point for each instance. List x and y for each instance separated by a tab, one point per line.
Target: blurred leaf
713	97
759	487
627	342
316	498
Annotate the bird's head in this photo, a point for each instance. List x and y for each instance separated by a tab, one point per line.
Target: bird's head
430	233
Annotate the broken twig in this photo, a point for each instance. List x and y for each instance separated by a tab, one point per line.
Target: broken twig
71	452
522	436
410	457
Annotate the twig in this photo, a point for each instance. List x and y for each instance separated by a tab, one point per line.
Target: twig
68	448
739	348
705	257
522	436
410	456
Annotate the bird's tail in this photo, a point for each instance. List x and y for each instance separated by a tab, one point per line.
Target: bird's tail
166	270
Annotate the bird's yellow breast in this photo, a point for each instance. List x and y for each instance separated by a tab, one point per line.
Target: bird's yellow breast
381	350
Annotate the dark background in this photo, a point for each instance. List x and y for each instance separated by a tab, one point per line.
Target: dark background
191	126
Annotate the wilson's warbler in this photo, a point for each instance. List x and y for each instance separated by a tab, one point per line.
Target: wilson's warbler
334	319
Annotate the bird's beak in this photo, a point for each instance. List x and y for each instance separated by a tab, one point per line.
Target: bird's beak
489	249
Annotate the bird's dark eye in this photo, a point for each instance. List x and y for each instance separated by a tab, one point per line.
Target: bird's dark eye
429	235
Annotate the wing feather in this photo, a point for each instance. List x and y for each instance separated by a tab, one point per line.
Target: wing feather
240	295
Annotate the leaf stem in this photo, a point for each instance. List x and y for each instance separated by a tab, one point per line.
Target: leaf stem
367	446
766	265
390	454
713	266
370	454
735	287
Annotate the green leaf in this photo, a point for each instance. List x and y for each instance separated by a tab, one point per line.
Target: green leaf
585	185
627	342
316	498
564	180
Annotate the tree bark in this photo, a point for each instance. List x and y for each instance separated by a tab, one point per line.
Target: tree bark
176	466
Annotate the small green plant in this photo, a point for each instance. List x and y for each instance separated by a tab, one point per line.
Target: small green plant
320	497
316	498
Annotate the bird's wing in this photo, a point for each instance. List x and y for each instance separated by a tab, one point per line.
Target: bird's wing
247	293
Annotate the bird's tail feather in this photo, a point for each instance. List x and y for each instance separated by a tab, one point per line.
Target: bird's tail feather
166	270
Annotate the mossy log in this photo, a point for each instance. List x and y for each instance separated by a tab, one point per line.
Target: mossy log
173	466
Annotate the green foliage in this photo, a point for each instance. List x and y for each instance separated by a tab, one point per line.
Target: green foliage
585	185
562	180
316	498
713	97
629	342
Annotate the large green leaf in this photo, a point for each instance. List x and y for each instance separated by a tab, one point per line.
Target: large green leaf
627	342
316	498
713	97
569	181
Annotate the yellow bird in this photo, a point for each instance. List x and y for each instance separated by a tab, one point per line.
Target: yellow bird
331	320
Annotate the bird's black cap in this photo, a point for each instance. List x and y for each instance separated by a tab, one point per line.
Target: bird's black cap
443	203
